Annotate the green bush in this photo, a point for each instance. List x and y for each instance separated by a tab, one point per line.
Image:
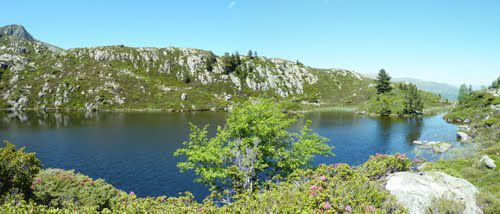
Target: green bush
62	189
328	189
381	164
17	170
444	205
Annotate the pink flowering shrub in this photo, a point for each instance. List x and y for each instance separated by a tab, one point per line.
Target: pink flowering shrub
62	189
382	164
336	188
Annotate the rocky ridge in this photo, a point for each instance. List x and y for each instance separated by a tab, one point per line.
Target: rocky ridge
35	75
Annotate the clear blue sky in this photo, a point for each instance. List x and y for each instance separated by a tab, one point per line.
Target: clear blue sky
451	41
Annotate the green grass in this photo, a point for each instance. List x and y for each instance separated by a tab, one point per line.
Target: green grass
467	165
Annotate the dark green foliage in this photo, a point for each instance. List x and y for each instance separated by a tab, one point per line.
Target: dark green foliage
496	83
210	60
463	93
17	170
63	189
299	63
413	101
230	62
250	54
383	82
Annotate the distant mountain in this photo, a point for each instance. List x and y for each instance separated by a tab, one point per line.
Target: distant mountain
446	90
17	31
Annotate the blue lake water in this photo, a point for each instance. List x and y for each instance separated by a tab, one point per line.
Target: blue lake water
133	151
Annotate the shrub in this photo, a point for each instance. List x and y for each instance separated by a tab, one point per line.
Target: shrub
255	145
382	164
62	189
328	189
127	203
17	170
446	206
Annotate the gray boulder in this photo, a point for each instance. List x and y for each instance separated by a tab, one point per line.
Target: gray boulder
183	96
490	163
462	136
416	191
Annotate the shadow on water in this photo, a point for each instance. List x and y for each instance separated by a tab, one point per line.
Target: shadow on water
134	151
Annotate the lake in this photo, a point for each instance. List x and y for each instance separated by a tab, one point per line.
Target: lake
133	151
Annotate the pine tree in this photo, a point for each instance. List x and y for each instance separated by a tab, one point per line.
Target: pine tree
383	82
250	54
463	93
413	101
231	62
210	60
496	83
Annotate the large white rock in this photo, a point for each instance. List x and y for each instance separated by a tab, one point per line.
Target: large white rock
415	191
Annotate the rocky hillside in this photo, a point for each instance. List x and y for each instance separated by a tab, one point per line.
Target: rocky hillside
35	75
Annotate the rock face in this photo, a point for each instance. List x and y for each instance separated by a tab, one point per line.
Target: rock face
416	191
17	31
462	136
490	163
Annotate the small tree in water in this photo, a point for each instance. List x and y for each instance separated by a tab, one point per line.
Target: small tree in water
383	82
255	145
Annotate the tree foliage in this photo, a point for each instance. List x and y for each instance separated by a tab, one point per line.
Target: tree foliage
463	93
230	62
496	83
413	101
254	146
17	170
383	82
210	60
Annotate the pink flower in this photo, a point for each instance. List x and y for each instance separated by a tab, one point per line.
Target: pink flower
313	193
323	178
370	208
38	180
313	187
348	208
132	193
327	205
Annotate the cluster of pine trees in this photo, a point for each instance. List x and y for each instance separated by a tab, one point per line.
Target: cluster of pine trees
413	104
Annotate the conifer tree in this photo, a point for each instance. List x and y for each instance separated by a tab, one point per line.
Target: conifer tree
383	82
413	101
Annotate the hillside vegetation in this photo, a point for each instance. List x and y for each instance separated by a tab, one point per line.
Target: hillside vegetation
479	115
401	99
36	75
